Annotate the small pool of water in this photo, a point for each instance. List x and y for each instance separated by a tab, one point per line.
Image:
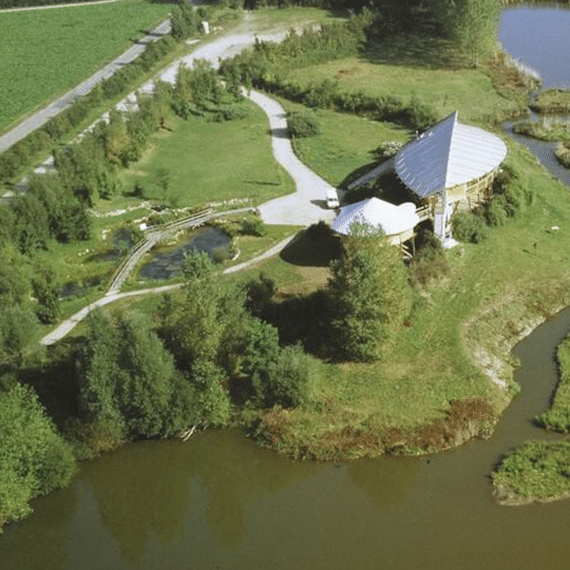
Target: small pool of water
165	264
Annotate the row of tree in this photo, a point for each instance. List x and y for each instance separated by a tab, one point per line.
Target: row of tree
471	24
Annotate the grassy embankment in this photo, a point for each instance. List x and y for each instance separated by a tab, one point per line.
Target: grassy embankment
540	470
49	51
551	101
464	325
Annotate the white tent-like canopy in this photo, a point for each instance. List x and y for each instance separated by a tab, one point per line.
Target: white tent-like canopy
395	221
448	154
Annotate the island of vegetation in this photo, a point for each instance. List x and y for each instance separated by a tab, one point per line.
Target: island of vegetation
553	107
540	470
336	350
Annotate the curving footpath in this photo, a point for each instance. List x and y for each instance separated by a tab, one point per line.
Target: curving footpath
304	207
69	324
298	208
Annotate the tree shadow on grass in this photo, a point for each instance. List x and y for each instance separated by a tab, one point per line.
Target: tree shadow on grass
316	246
415	51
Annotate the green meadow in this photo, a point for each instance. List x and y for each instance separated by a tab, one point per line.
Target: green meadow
446	89
199	161
46	52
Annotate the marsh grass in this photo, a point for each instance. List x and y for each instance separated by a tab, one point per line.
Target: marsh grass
558	416
537	471
556	132
551	101
562	152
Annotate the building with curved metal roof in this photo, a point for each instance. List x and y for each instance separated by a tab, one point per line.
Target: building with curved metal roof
448	155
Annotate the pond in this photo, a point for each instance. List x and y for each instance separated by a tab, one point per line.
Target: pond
165	264
539	36
219	501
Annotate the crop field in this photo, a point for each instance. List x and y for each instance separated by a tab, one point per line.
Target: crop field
46	52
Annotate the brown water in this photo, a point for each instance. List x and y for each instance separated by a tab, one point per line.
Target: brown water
219	501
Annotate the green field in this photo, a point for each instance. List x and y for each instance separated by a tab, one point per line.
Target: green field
209	162
46	52
446	89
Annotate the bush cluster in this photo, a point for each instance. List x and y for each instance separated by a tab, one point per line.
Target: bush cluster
303	125
510	196
35	459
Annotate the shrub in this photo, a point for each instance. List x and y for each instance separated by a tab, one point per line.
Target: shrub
231	113
470	226
496	211
386	150
303	125
289	380
429	262
253	226
421	115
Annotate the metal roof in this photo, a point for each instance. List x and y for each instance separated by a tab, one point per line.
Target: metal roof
448	154
378	214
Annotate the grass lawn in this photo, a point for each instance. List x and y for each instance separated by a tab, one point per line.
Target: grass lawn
267	19
446	89
208	162
46	52
345	142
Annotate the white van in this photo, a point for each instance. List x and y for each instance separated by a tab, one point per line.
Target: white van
332	199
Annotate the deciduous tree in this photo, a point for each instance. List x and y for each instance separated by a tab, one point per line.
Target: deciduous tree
371	294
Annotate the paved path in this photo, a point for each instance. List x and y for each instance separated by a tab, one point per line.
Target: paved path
303	208
69	324
41	117
308	204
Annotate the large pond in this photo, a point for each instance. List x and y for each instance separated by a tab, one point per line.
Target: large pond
219	501
539	36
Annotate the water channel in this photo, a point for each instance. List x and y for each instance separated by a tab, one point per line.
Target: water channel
219	501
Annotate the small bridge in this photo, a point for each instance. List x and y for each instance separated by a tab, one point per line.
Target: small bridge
156	234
